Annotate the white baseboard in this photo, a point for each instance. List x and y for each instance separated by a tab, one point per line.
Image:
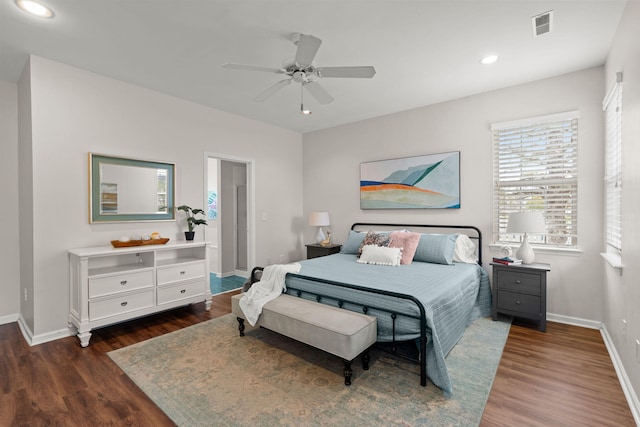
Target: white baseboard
625	383
10	318
627	387
242	273
32	339
575	321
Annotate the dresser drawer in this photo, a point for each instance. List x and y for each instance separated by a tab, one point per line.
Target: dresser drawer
520	303
123	282
113	306
168	294
520	281
180	272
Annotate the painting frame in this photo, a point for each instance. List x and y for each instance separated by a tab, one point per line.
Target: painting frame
430	181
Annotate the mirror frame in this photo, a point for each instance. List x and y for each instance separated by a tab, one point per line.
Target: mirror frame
95	160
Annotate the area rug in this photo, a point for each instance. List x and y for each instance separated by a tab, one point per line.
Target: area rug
207	375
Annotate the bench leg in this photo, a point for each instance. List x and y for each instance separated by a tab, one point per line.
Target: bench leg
240	325
347	372
365	360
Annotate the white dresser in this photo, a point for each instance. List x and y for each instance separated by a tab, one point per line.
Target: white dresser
111	285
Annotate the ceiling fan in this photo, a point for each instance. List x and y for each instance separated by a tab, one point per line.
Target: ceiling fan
301	69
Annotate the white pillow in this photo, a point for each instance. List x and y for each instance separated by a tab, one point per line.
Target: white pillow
380	255
465	250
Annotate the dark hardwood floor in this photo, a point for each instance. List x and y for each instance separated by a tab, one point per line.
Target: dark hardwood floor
563	377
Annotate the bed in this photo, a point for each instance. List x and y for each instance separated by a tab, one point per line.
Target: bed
430	303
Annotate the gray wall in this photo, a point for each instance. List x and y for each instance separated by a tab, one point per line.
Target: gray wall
9	217
74	112
622	290
332	158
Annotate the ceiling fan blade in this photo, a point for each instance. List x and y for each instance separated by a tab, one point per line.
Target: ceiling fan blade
318	92
307	48
252	68
272	90
358	72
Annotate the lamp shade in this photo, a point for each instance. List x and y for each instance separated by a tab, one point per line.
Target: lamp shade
319	219
526	222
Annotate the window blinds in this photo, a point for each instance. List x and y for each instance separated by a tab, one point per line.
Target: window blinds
613	168
536	168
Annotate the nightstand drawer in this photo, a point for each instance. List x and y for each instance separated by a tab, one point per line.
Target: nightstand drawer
521	303
519	281
316	251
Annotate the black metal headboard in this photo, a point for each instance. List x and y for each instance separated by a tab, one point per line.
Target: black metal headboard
471	231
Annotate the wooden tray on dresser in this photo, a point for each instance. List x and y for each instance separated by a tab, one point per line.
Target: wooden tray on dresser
130	243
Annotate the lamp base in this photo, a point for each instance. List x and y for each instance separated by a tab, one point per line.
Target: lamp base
525	251
320	236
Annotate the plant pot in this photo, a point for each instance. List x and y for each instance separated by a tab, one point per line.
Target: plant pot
189	235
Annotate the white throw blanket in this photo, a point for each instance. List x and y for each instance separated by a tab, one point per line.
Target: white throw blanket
269	287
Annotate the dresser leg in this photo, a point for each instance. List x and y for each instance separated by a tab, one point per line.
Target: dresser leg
84	338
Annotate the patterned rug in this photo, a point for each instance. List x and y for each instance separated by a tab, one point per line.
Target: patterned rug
206	375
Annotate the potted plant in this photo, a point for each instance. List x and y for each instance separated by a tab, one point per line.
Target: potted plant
192	221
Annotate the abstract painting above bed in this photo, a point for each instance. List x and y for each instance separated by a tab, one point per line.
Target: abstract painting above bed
431	181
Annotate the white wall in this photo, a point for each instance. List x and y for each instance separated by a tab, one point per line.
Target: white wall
9	253
332	158
75	112
622	291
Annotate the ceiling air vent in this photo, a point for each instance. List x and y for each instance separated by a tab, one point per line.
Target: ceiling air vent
542	24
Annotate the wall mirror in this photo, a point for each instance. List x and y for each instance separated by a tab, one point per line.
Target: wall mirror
122	189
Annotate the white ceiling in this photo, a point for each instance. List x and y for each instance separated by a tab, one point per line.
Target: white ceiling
424	52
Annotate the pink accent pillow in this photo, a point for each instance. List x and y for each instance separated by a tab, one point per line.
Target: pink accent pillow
406	240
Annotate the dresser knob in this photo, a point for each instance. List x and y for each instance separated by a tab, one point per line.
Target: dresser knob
124	282
182	272
183	291
123	304
517	302
517	282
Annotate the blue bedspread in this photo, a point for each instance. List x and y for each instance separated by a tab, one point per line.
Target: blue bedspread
452	295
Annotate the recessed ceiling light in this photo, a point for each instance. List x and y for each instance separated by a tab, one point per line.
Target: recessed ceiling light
34	8
490	59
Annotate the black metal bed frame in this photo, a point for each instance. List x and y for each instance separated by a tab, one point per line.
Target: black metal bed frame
422	360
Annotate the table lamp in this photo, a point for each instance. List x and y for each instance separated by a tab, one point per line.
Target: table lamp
319	219
526	223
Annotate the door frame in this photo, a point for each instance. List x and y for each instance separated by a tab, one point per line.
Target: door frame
251	217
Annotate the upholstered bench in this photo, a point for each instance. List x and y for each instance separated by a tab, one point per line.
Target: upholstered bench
341	332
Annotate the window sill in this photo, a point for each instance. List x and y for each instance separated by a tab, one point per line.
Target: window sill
614	260
539	249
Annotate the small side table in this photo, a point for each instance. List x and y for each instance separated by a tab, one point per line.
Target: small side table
521	291
316	250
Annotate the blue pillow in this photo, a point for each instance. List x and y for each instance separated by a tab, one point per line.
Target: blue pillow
352	245
436	248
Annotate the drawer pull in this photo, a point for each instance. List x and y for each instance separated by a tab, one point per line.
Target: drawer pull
183	291
123	304
517	302
518	282
124	282
182	272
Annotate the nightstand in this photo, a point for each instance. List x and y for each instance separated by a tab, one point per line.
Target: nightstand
521	291
316	250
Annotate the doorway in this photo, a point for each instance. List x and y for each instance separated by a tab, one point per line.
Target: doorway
230	185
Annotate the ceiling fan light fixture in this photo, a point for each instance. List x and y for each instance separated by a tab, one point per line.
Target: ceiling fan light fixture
34	8
302	110
489	59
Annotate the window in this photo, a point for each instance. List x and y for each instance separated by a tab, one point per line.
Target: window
536	168
612	106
